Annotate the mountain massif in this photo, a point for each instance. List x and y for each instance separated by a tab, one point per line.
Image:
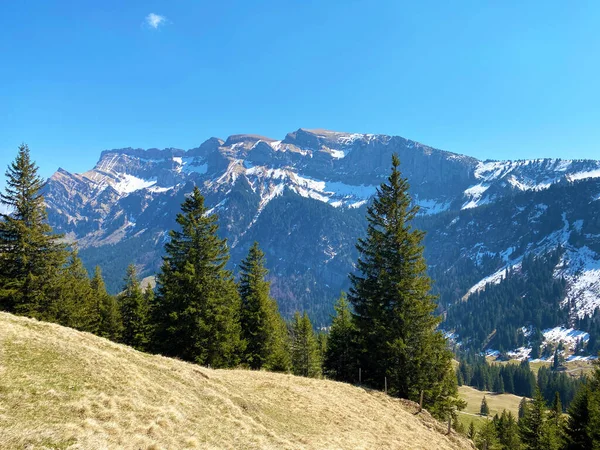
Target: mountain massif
513	246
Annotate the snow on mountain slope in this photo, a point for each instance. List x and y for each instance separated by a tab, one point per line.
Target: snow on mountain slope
308	188
525	175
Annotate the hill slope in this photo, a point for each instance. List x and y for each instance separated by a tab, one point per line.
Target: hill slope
60	388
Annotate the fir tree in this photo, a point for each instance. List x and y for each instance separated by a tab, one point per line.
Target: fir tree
393	307
536	432
578	422
522	407
134	312
75	300
259	314
486	438
339	362
305	350
582	430
280	359
508	431
30	255
484	410
196	315
471	433
110	324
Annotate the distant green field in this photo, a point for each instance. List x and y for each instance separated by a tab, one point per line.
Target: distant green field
574	368
496	402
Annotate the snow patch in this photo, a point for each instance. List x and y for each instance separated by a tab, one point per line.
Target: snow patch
568	336
583	175
129	183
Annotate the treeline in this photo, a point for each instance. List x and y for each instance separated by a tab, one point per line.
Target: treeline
200	313
542	425
494	316
518	379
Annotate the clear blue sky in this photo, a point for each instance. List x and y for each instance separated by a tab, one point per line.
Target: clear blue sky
497	79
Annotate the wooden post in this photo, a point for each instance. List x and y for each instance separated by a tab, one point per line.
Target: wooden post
385	385
421	402
359	375
449	423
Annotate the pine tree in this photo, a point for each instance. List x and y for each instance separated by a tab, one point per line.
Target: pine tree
196	315
259	314
583	425
486	438
110	324
578	424
522	407
536	432
74	305
30	255
508	431
484	410
339	362
280	359
305	351
134	312
393	307
471	433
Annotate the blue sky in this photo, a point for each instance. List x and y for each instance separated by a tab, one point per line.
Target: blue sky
501	80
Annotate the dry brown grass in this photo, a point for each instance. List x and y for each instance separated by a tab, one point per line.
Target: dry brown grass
60	388
496	402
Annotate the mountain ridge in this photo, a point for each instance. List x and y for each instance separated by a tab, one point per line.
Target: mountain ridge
304	198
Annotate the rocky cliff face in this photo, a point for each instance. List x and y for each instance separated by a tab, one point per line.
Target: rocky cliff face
304	199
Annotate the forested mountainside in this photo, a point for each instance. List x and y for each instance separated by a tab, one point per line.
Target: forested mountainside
529	228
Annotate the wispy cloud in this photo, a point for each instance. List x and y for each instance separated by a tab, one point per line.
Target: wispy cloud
154	20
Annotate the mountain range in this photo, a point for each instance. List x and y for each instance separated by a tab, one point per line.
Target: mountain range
304	199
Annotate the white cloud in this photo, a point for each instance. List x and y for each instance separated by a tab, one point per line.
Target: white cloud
155	21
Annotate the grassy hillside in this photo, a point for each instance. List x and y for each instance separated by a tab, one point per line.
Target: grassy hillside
496	403
60	388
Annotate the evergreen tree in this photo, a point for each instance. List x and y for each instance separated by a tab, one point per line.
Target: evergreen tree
280	359
508	431
583	425
339	362
196	315
393	309
259	314
486	438
30	255
577	430
75	301
536	432
484	410
305	350
522	407
110	324
471	433
134	312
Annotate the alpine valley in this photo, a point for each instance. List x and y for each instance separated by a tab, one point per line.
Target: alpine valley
513	246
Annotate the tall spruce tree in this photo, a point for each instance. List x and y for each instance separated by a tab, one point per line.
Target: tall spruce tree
582	429
305	350
393	307
259	314
536	431
197	307
110	324
339	362
30	254
508	431
134	312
